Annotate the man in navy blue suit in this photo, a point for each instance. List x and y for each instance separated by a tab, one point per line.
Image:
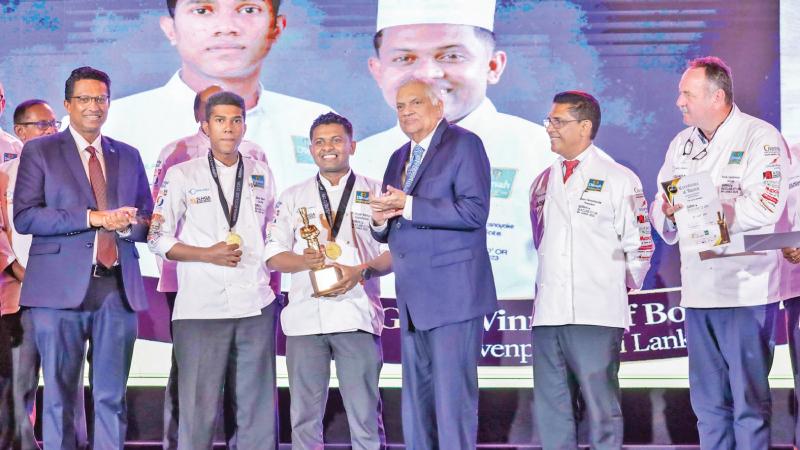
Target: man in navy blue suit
79	194
433	215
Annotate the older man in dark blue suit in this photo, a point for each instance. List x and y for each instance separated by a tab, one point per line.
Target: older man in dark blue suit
79	194
436	229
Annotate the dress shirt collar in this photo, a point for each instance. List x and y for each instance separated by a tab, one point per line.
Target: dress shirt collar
426	142
83	143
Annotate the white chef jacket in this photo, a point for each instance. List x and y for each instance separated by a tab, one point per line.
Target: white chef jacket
189	201
748	161
593	240
10	146
359	308
518	151
13	246
790	273
185	149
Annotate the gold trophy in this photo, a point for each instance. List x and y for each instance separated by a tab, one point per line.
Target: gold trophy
724	235
324	276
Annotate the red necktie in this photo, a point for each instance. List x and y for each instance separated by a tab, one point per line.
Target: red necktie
570	167
106	241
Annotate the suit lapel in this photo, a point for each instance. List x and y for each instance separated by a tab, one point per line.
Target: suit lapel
111	160
69	151
396	175
430	153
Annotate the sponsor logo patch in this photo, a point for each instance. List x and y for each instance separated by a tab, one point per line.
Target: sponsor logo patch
258	180
362	196
595	185
736	158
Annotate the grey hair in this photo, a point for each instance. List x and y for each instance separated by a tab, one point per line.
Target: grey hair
433	94
718	75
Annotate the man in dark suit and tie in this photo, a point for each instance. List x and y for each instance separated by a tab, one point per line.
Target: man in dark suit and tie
435	224
79	194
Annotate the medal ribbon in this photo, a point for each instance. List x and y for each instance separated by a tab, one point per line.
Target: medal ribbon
232	213
335	222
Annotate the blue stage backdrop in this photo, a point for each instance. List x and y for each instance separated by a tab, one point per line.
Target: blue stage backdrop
629	54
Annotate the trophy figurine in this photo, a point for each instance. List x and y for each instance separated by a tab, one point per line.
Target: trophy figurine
325	276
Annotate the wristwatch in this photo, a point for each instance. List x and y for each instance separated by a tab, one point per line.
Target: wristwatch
366	273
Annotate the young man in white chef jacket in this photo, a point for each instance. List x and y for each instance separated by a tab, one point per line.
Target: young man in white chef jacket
211	217
345	325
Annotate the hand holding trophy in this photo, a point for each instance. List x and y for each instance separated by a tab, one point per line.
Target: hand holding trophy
325	276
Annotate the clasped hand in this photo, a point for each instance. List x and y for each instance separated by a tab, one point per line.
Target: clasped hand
388	205
114	219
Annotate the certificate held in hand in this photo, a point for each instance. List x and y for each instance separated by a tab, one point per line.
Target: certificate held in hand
701	222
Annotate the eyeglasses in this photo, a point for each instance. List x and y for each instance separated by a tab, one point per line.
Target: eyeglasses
556	122
42	124
688	146
86	99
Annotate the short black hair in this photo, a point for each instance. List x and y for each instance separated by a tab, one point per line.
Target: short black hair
718	75
85	73
583	106
482	34
22	108
331	118
171	7
225	98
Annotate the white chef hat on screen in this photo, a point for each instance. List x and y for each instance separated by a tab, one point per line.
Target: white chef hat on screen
479	13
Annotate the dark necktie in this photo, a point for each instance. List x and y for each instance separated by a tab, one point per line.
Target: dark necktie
106	241
570	167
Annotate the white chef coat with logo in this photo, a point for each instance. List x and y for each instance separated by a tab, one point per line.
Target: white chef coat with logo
359	308
185	149
189	202
593	241
747	160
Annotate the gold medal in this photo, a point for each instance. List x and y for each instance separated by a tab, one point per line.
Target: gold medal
233	238
332	250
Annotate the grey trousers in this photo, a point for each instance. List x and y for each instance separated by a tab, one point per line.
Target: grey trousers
171	408
359	359
205	350
572	358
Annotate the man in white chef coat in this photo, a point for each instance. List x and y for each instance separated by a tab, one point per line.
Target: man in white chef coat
344	326
211	218
591	232
731	296
10	146
451	44
185	149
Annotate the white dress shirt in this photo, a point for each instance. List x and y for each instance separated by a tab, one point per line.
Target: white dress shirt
81	144
359	308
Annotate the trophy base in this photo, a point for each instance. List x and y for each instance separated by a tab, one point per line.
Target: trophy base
323	279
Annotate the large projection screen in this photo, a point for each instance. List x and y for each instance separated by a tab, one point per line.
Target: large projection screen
629	54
